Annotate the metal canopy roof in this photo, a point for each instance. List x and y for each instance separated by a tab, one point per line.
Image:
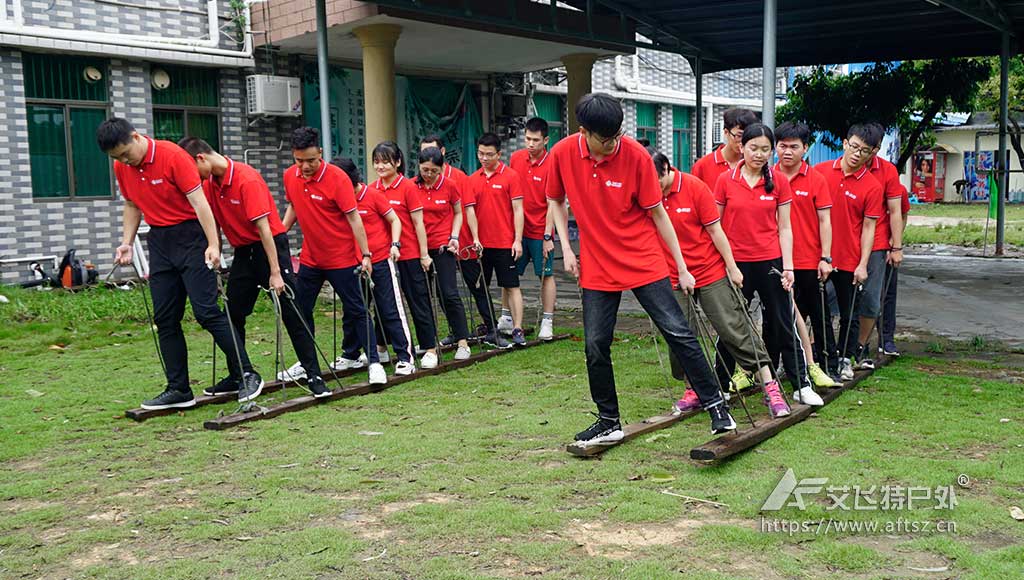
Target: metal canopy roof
727	34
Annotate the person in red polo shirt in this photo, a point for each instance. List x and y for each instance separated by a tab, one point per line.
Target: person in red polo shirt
160	183
616	198
414	261
811	219
728	154
321	198
383	234
531	164
755	204
498	191
705	248
856	206
246	213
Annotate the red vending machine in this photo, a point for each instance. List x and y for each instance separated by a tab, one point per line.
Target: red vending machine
929	176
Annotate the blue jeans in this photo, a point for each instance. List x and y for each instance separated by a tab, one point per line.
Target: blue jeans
600	311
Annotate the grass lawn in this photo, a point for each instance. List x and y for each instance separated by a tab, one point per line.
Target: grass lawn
463	475
1014	211
969	233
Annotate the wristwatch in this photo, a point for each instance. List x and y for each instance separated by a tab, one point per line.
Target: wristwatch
397	245
367	255
826	259
548	237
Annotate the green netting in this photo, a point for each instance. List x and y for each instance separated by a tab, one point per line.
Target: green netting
191	87
348	119
646	115
62	77
47	148
680	117
449	110
92	166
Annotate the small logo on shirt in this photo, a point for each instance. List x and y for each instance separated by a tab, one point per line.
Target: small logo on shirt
363	212
157	181
316	197
535	178
394	202
850	195
682	210
801	193
235	201
440	201
611	183
495	186
767	198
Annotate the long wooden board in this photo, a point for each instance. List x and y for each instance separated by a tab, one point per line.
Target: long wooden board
304	402
742	439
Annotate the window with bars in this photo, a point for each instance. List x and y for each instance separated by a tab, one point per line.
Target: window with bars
188	106
551	108
65	101
647	122
682	138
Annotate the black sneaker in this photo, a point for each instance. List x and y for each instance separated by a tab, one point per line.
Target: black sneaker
251	387
170	399
496	340
721	420
602	432
864	359
518	337
317	386
448	340
226	386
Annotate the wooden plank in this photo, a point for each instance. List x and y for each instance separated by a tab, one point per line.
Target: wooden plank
640	428
300	403
740	440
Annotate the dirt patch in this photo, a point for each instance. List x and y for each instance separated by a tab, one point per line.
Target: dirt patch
105	554
24	505
435	498
619	541
993	373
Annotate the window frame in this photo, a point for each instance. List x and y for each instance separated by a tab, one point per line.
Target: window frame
185	110
69	152
687	136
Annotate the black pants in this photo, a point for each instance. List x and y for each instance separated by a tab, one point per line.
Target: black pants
810	300
177	271
391	323
889	305
777	325
347	284
250	271
472	274
600	311
847	296
446	291
413	281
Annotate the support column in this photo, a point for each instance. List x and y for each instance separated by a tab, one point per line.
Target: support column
1003	158
698	74
768	65
321	65
378	42
578	68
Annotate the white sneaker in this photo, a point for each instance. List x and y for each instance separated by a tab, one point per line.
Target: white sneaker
403	368
505	324
344	364
292	373
429	361
384	356
546	329
462	353
807	396
377	374
845	369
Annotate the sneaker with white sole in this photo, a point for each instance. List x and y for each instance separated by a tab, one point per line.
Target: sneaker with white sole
741	380
721	419
226	386
318	387
170	399
377	374
689	402
819	377
384	357
889	349
505	324
293	373
403	368
345	364
864	360
547	329
462	353
429	361
777	406
602	432
845	369
250	387
807	396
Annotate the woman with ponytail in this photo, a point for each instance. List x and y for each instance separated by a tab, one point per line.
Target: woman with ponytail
754	202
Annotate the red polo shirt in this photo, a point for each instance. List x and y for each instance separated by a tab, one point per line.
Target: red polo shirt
611	199
239	198
854	198
373	206
438	210
466	240
750	214
320	204
158	185
692	208
535	204
810	194
887	175
494	197
709	167
404	199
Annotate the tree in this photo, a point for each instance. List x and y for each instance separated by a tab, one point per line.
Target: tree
987	99
906	95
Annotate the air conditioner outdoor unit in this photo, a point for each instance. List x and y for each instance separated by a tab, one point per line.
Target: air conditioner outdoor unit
269	95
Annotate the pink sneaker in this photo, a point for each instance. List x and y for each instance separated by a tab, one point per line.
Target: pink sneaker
689	402
777	406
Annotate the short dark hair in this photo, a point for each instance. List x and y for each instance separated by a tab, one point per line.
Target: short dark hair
599	113
349	167
305	137
113	132
644	142
738	117
389	151
433	155
790	130
661	162
869	133
537	125
195	146
432	138
489	140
